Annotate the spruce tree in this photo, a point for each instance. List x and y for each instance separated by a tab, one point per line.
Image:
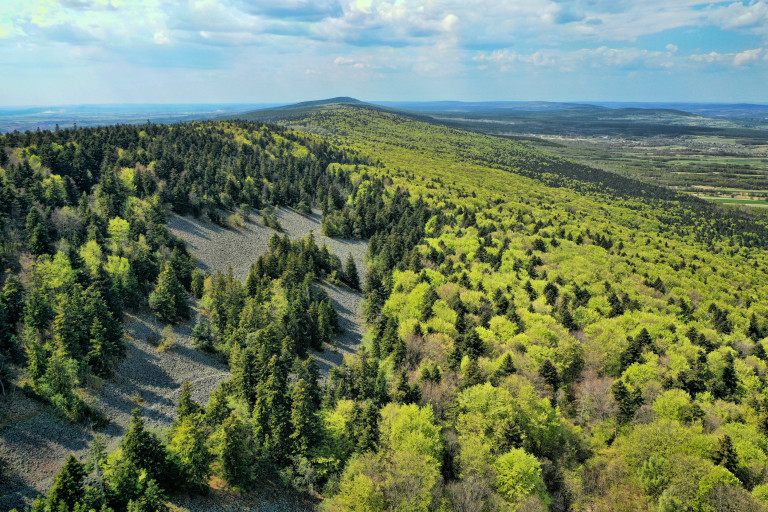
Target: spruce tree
754	331
628	401
350	273
68	485
507	366
549	373
101	351
427	303
38	237
729	378
304	421
189	448
169	299
144	449
186	406
217	410
235	455
725	455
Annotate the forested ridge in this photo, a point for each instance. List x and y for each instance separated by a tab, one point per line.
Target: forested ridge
540	335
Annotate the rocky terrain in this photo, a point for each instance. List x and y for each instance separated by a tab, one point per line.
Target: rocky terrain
36	442
219	248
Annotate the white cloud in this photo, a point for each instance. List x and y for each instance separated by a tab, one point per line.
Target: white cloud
602	56
709	58
737	15
747	57
161	37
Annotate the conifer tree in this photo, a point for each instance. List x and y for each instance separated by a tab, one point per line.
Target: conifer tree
350	273
68	485
507	366
375	294
217	410
152	499
169	299
101	352
304	422
628	401
754	331
186	406
144	449
427	303
729	378
725	455
549	373
13	299
38	237
235	454
472	375
189	448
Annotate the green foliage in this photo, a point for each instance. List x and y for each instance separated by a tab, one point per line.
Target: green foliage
235	456
169	299
519	476
143	449
351	276
67	489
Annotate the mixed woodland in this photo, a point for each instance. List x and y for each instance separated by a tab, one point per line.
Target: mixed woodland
541	335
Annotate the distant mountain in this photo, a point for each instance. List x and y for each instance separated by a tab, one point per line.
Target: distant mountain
524	118
65	116
339	100
475	106
299	110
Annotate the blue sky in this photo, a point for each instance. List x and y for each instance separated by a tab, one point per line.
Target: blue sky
169	51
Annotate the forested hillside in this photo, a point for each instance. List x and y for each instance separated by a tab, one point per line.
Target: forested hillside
541	335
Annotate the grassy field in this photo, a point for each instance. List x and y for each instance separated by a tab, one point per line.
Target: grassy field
726	167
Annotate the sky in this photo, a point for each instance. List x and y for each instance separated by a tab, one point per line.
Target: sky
56	52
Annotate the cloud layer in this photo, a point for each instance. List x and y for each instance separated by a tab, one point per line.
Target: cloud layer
65	51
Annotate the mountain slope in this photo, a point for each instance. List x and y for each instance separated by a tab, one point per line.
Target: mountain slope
542	335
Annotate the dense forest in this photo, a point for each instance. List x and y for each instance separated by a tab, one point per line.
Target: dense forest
541	335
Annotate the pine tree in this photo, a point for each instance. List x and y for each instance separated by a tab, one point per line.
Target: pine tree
68	485
350	273
169	299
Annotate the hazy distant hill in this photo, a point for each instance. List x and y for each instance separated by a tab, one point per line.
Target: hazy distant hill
540	117
47	117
